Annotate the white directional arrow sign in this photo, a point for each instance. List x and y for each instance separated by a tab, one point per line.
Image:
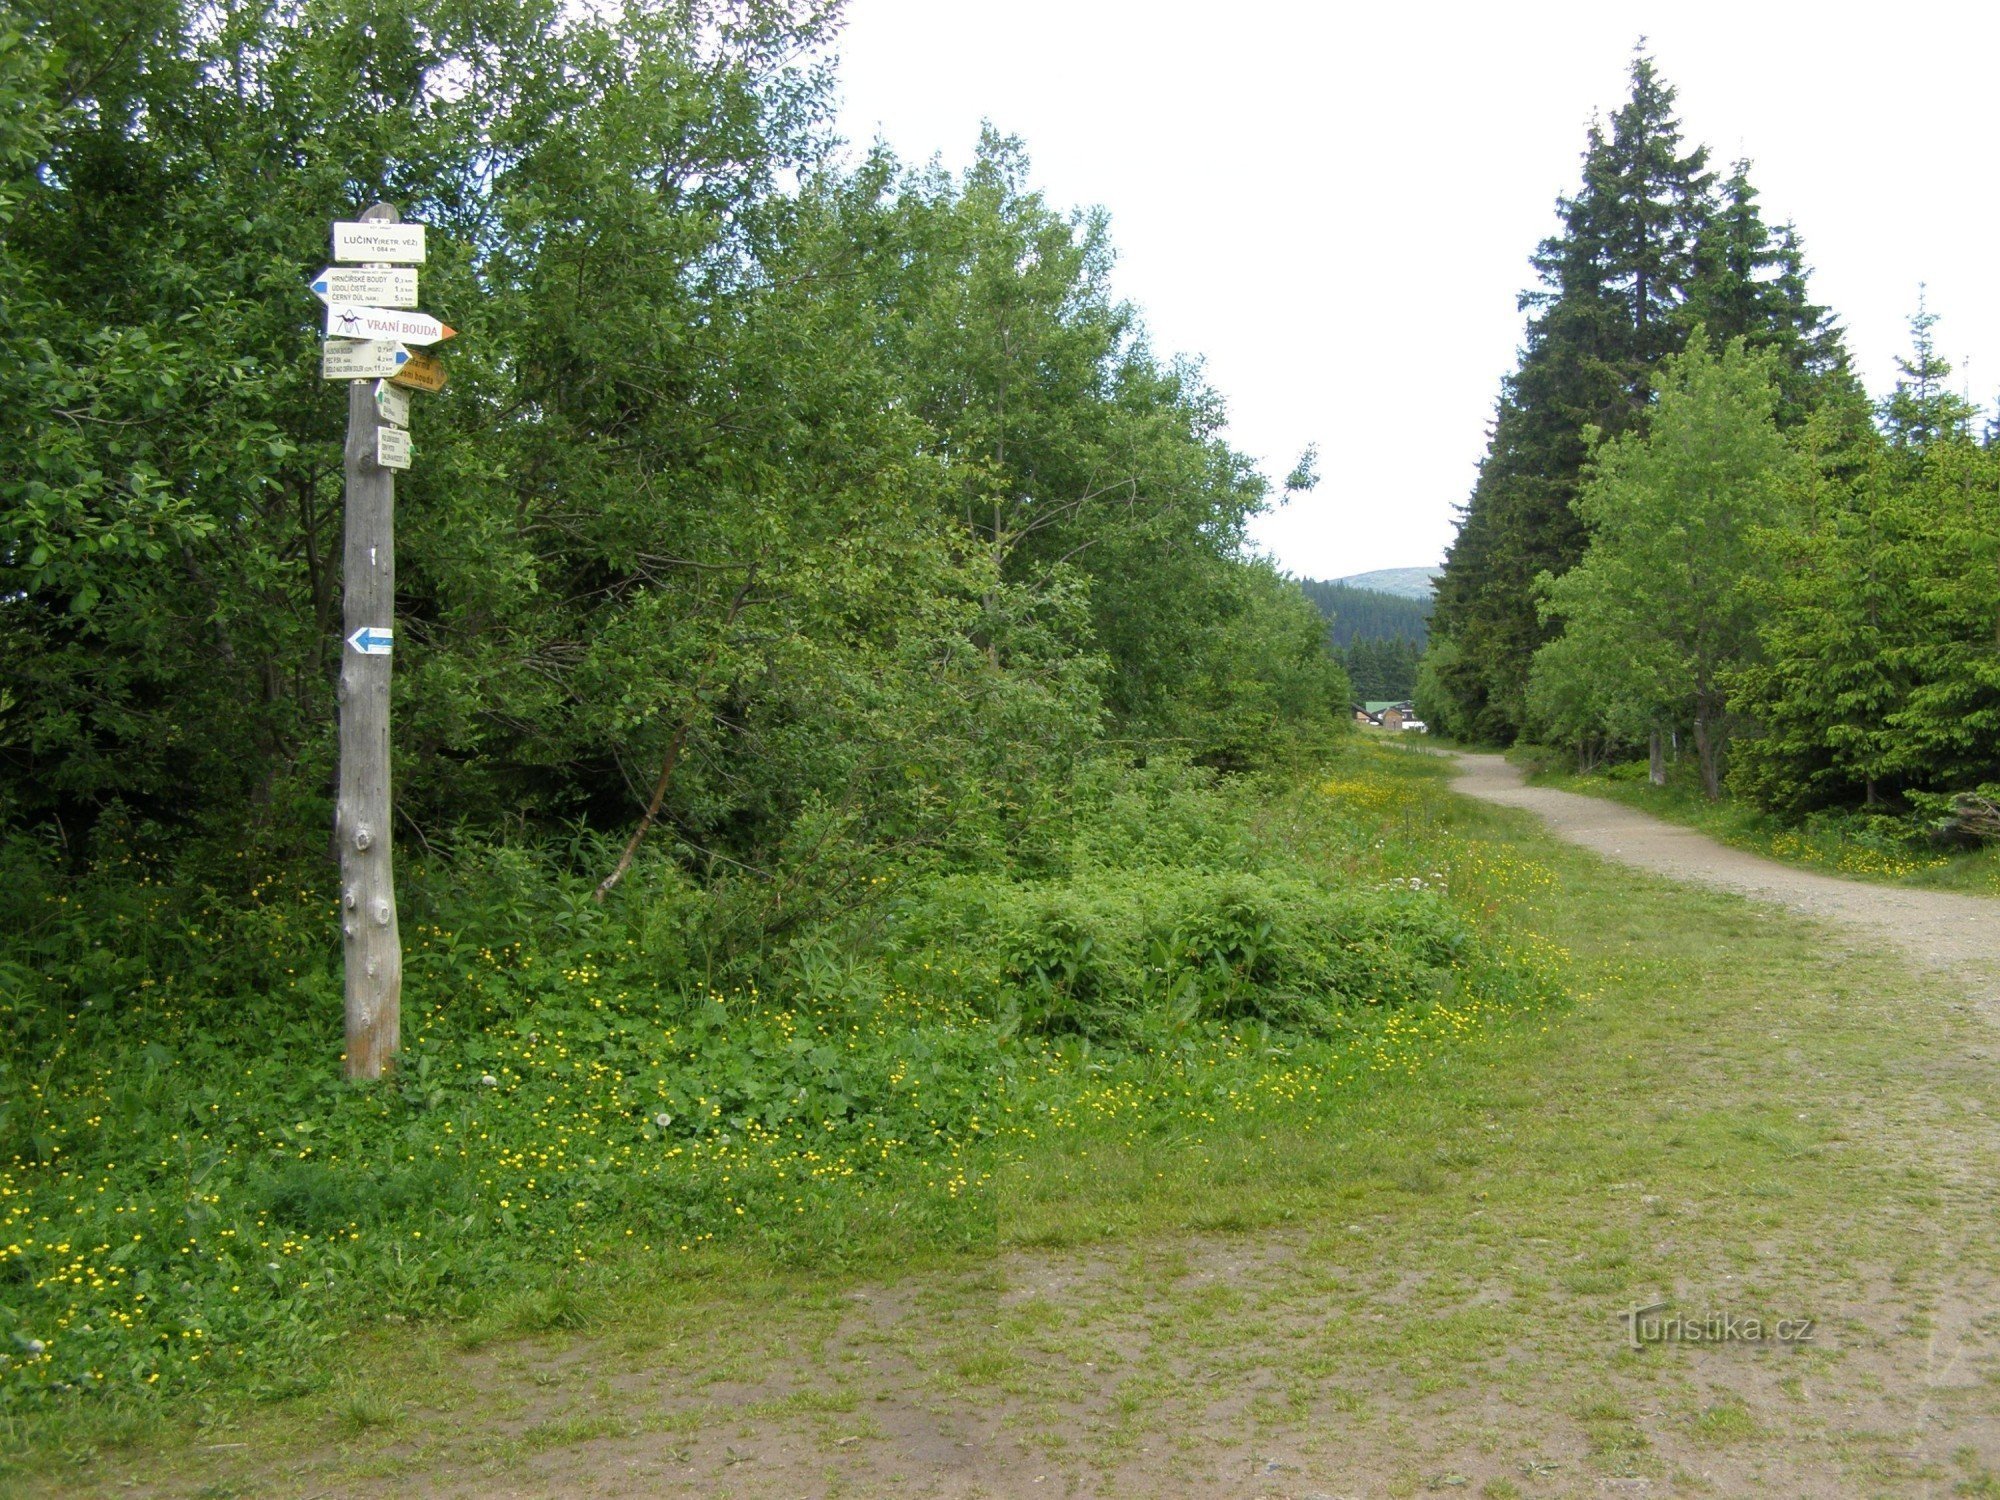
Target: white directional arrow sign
373	640
392	404
351	359
369	286
345	322
400	244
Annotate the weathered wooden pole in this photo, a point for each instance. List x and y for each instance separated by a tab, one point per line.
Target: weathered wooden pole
370	942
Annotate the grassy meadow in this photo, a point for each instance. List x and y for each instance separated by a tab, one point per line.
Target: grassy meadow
1392	1251
195	1211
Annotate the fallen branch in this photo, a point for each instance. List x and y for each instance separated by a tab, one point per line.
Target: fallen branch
1977	815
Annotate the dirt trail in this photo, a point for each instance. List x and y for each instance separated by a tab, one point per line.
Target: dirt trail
1938	929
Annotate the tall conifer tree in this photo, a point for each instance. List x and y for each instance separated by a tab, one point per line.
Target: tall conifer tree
1923	409
1612	284
1647	251
1750	283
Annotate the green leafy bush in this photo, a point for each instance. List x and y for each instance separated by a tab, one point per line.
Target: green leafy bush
192	1199
1087	955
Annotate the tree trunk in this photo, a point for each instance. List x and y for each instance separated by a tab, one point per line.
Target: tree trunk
1708	751
1656	759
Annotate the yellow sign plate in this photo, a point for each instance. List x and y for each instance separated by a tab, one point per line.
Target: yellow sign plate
422	372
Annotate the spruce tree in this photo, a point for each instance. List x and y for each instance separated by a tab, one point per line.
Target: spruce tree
1613	283
1923	409
1750	283
1648	250
1880	674
1836	597
1945	738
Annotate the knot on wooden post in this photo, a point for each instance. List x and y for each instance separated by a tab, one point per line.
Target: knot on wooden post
364	839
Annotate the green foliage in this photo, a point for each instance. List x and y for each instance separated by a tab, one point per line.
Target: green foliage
1648	251
195	1203
1105	954
1821	690
1881	616
1660	611
849	501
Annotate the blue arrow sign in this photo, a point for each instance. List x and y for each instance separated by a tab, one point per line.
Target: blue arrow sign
373	286
373	640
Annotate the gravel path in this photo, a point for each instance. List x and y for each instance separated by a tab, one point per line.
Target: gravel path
1938	929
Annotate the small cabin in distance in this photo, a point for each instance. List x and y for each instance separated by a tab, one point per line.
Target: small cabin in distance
1388	713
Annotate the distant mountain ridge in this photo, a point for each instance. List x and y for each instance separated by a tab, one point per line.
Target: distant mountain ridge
1378	635
1404	583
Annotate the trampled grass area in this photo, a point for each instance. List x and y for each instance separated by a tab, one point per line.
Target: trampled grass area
1893	850
1258	1264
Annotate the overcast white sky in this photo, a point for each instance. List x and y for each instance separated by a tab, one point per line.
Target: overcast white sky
1334	205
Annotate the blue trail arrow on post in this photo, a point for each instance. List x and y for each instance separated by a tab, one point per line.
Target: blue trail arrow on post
373	640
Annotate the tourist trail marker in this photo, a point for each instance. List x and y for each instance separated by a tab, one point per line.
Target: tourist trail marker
399	244
392	405
421	372
370	286
392	448
361	359
366	347
350	322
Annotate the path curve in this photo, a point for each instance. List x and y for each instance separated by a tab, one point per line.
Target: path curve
1938	929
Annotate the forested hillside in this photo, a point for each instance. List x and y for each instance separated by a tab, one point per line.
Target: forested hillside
1693	527
1379	637
1364	614
1404	583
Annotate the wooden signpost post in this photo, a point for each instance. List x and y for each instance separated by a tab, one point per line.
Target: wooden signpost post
378	444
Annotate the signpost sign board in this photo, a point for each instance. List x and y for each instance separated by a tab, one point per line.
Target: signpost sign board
392	448
345	322
392	405
421	372
399	244
372	286
361	359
